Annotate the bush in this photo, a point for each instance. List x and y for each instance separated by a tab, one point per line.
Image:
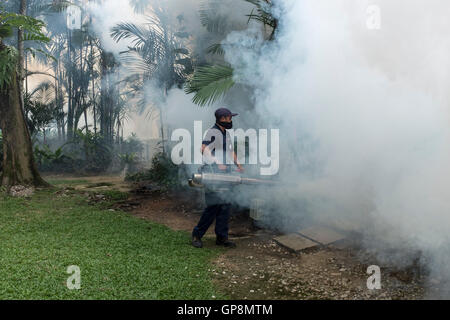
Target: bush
163	172
86	153
128	153
90	151
56	161
128	160
131	145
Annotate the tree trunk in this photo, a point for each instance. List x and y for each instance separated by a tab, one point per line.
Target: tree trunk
20	49
19	167
93	87
70	111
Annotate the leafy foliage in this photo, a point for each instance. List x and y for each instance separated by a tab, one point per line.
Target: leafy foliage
131	145
210	83
129	161
8	65
91	152
32	27
264	14
163	172
40	113
157	54
128	153
211	16
53	6
216	48
55	161
32	31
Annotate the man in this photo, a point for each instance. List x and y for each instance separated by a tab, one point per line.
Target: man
216	147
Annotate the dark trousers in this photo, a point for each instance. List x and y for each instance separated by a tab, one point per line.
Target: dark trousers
218	211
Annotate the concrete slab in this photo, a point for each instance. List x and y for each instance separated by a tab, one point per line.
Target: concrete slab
321	235
344	225
295	242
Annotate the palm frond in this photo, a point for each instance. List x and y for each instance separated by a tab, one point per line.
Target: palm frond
44	93
32	73
136	64
210	83
139	6
55	6
263	14
216	48
211	17
6	31
34	51
147	40
126	30
32	27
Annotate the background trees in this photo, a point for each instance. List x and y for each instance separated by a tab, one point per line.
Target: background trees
86	93
211	82
158	57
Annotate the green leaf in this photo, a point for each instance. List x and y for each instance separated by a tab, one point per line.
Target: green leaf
6	31
33	52
216	49
32	27
8	64
210	83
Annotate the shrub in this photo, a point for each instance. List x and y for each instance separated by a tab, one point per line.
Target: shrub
55	161
90	151
163	172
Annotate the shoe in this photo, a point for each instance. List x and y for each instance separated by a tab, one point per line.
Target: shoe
226	243
197	242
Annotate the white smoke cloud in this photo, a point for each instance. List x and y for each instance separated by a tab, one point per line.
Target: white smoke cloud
107	14
372	108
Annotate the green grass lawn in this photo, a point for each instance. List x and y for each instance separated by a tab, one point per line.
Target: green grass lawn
120	256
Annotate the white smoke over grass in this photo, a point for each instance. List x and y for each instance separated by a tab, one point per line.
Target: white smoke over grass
364	118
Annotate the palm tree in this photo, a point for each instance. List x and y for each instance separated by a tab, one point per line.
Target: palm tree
40	108
212	82
45	53
157	55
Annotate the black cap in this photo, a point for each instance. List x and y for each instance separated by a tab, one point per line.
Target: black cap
224	112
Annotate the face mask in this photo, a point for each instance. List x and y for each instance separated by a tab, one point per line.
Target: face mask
226	125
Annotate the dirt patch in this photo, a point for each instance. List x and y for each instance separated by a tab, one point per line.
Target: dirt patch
182	211
92	183
260	269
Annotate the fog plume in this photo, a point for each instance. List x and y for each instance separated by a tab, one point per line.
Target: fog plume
364	118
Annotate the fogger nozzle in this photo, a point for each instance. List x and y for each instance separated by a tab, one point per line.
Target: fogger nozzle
213	178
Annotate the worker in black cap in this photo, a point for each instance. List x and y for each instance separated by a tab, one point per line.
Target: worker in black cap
216	147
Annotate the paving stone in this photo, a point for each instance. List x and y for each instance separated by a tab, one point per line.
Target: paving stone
321	235
295	242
